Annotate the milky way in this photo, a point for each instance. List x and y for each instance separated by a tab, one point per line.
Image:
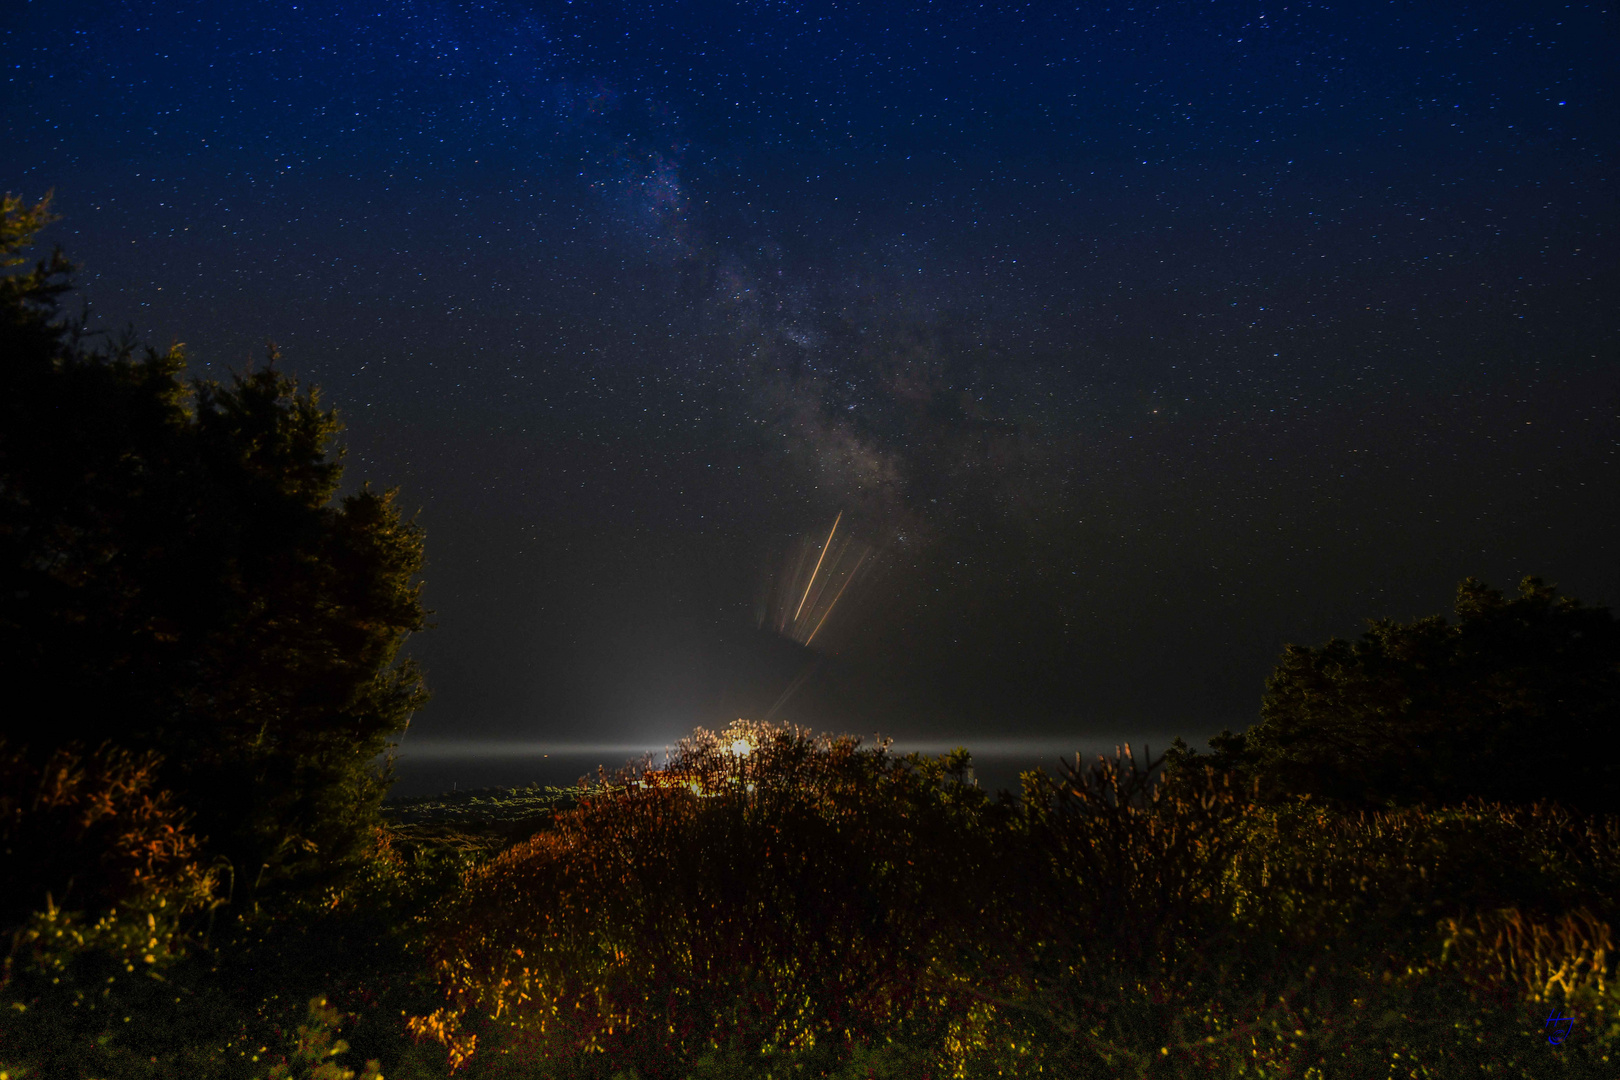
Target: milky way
1138	339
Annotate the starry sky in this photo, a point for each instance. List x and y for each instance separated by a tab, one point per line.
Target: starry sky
1130	340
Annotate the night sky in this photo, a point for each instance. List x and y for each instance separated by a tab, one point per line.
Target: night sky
1131	341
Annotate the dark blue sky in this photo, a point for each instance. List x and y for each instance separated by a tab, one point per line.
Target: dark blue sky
1137	339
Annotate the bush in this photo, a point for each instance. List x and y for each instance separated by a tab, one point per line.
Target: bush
315	1047
1516	701
812	908
1135	942
784	901
91	831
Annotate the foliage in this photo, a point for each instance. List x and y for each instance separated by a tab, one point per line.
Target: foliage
236	1007
1135	916
29	298
91	831
317	1046
815	908
73	986
707	922
783	900
475	821
1518	701
473	807
359	944
181	577
1352	920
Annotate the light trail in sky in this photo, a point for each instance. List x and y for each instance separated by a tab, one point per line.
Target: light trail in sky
819	559
800	606
849	578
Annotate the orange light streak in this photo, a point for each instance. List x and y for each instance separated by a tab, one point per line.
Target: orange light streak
817	570
820	589
840	595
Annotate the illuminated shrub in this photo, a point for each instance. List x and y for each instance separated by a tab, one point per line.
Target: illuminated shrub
1386	932
97	874
1187	930
768	893
316	1047
776	905
1134	920
93	832
1555	960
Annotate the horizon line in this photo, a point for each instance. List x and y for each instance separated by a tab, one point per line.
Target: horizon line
442	749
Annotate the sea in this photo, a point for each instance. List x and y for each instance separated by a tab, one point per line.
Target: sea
431	768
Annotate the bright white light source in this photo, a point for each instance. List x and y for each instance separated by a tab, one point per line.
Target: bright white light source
741	748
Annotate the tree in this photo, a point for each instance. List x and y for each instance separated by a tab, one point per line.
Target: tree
1518	700
177	574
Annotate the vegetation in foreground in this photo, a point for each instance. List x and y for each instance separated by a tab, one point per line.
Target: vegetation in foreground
816	907
1385	877
813	907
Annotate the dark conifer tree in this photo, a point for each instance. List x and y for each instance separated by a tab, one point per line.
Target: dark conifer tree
178	573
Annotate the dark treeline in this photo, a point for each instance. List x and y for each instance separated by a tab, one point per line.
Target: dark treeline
1402	869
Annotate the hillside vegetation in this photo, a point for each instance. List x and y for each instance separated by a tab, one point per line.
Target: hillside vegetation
813	907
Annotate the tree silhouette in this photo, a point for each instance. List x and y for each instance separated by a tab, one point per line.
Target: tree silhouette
1517	700
180	576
